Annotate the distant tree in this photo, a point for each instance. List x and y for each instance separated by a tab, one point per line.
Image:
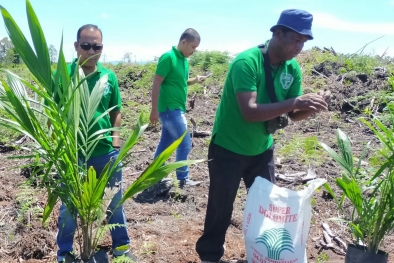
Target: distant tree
5	45
127	58
16	58
11	57
52	53
205	59
8	58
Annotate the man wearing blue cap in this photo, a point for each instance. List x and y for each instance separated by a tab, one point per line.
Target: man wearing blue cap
241	144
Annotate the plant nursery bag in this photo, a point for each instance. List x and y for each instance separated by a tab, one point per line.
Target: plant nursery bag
276	222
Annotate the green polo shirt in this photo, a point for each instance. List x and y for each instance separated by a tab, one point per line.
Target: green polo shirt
173	67
246	74
111	98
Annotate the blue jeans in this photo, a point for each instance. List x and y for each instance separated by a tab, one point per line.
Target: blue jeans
67	223
173	125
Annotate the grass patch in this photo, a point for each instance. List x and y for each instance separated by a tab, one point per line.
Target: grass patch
303	149
7	135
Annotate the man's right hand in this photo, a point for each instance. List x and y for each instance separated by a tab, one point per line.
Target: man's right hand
154	117
310	101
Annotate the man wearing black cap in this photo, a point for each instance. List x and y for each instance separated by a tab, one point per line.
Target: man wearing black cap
241	144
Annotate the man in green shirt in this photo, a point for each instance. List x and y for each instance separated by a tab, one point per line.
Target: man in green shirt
169	95
89	47
241	146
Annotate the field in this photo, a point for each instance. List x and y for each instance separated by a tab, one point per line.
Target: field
164	227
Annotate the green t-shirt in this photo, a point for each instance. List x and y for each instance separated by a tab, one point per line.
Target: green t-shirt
246	74
111	98
173	67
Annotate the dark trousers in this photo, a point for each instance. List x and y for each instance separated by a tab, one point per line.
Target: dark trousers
226	169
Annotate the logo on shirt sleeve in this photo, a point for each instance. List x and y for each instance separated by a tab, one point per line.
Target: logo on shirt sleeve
286	80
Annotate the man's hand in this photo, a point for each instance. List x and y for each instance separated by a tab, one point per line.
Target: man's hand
325	94
154	116
200	79
310	101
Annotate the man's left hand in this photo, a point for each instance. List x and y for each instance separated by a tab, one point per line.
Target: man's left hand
325	94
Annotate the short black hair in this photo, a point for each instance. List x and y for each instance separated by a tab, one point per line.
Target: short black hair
88	26
190	35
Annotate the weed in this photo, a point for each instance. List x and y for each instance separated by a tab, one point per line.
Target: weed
7	135
303	149
148	249
313	202
323	257
319	83
347	82
341	70
241	193
175	215
367	111
27	204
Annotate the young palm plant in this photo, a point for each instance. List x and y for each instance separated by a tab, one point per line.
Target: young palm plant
372	203
58	118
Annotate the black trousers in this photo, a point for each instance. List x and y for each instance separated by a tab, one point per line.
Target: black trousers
226	169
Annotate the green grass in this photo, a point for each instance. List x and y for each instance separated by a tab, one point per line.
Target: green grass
303	149
7	135
323	257
27	203
359	63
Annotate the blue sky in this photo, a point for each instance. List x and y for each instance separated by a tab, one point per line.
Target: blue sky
150	27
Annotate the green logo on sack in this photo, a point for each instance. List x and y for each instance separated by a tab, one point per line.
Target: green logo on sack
276	240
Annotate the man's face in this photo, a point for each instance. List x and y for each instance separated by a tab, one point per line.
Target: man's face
188	48
90	44
291	44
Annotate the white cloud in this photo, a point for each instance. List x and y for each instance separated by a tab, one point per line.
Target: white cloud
328	21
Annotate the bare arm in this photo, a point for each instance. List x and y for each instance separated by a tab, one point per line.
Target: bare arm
254	112
154	114
299	115
198	79
116	119
191	81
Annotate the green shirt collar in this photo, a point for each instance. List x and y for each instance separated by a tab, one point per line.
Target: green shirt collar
177	52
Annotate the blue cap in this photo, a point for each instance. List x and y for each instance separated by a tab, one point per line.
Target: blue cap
298	20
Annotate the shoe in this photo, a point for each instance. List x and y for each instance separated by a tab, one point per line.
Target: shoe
71	258
128	256
188	182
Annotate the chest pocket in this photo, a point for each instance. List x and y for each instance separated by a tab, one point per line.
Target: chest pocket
180	68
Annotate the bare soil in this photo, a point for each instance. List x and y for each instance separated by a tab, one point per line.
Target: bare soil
165	228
